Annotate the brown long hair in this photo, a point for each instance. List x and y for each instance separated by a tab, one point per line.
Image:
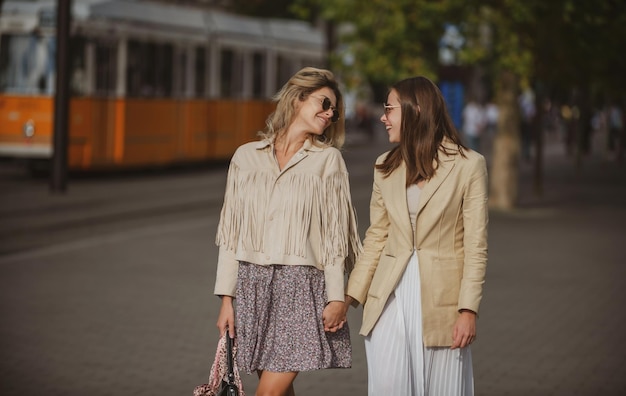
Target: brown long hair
424	124
298	88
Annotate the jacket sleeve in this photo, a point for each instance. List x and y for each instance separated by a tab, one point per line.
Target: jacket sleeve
341	243
226	277
227	236
230	215
375	239
475	220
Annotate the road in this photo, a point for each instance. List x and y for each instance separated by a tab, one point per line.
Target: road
107	289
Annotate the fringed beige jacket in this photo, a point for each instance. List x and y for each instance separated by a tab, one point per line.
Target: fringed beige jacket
302	215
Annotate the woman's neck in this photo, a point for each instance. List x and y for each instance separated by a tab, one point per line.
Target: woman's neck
289	143
286	147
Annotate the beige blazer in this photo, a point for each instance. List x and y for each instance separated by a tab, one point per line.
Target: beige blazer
450	240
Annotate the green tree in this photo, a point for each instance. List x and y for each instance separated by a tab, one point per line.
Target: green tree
391	40
388	40
551	46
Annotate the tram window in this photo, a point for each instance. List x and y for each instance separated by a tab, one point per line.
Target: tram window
180	77
231	74
149	70
78	78
283	71
226	73
27	64
106	68
201	72
258	70
4	63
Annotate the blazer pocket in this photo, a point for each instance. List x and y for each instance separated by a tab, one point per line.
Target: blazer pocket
379	280
446	281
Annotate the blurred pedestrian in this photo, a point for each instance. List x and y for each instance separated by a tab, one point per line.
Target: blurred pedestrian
287	233
528	110
492	113
421	274
491	117
474	123
365	121
616	125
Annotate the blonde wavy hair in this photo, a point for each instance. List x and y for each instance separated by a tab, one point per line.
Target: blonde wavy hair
298	88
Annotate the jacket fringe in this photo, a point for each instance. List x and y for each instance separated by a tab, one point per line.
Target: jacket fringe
242	219
238	211
340	237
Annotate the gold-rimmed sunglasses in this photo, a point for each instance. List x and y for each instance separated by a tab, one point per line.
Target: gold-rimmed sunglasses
387	108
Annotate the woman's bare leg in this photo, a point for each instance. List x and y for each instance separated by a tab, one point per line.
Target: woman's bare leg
276	384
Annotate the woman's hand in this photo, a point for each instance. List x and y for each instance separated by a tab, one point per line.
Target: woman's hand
464	332
334	316
226	318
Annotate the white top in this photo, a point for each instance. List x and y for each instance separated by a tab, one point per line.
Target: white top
412	200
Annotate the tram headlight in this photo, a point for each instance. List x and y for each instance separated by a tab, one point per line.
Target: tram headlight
29	129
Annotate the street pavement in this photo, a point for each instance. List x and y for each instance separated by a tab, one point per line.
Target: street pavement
107	289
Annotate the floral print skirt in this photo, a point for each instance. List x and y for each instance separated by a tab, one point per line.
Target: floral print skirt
279	321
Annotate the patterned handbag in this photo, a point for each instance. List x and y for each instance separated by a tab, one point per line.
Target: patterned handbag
224	379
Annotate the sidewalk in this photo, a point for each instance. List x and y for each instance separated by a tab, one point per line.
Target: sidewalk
551	321
124	305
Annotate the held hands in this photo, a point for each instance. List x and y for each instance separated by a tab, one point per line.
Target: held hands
464	332
226	318
334	316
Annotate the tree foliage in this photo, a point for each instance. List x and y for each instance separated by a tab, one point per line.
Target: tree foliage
560	42
387	40
556	47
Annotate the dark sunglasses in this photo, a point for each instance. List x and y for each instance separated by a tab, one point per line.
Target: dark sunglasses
327	105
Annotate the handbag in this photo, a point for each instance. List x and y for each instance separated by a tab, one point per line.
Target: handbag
224	379
228	386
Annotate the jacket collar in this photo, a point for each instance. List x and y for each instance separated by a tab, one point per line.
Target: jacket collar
448	154
307	146
303	152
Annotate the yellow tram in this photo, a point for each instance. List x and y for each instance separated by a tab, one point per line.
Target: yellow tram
152	83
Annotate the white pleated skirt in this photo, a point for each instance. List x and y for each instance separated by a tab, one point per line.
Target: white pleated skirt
397	361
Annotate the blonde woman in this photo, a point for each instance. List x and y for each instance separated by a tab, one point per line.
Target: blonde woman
287	233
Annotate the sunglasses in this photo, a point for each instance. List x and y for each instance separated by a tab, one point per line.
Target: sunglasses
387	108
327	105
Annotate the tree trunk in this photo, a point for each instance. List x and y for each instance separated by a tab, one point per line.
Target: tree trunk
504	173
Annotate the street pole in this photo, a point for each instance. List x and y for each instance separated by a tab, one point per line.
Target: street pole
58	181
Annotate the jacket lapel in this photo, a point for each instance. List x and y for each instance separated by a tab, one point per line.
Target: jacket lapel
398	204
445	166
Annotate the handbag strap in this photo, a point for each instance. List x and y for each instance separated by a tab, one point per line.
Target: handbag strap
229	359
